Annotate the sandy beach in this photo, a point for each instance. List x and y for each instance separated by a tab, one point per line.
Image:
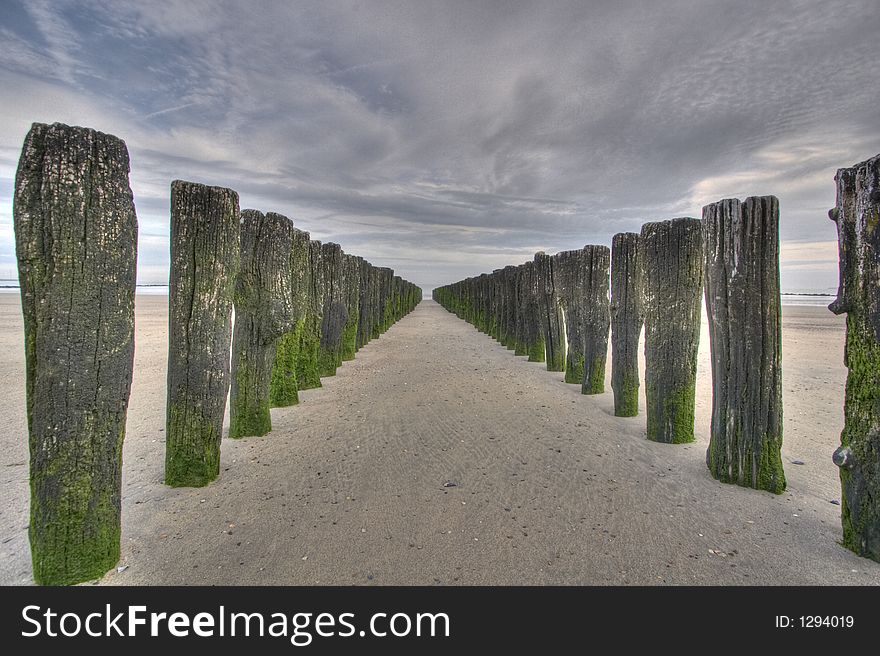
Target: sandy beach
549	486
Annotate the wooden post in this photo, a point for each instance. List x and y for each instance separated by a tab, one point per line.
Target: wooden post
550	316
570	279
627	316
596	317
857	215
365	304
532	332
284	387
307	372
204	268
334	314
745	333
673	267
351	282
263	312
76	244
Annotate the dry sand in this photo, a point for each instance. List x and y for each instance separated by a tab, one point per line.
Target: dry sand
550	487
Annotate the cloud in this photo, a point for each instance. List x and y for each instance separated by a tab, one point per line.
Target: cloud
449	138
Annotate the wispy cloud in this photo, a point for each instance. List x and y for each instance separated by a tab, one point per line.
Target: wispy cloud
169	110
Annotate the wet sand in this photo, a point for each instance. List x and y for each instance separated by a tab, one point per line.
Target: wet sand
550	487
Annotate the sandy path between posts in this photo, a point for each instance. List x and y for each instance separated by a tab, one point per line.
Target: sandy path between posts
550	487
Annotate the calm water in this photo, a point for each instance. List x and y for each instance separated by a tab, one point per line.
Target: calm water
816	300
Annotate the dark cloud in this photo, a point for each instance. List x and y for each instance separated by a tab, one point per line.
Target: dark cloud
449	138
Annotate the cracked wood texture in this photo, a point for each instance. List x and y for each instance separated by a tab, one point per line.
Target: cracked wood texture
365	303
307	374
529	338
570	279
351	285
745	333
334	313
627	316
383	317
76	245
263	312
508	295
672	256
549	314
857	215
284	387
596	319
204	267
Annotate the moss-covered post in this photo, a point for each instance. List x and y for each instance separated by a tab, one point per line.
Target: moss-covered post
76	245
396	282
351	284
550	315
485	303
627	316
307	372
382	300
672	256
597	316
496	304
745	332
568	267
284	388
263	312
510	306
519	337
365	303
532	332
857	215
204	268
334	314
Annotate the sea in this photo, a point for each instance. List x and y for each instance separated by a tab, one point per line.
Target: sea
800	297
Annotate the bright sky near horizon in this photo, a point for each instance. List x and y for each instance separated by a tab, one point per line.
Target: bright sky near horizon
449	138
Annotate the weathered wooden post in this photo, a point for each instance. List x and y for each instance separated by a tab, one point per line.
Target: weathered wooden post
519	338
627	316
508	324
485	318
263	312
284	387
673	268
351	281
383	319
596	316
857	215
532	333
569	269
496	304
550	316
334	313
742	301
365	303
204	268
76	244
307	372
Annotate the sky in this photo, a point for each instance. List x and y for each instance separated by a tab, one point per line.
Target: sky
449	138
